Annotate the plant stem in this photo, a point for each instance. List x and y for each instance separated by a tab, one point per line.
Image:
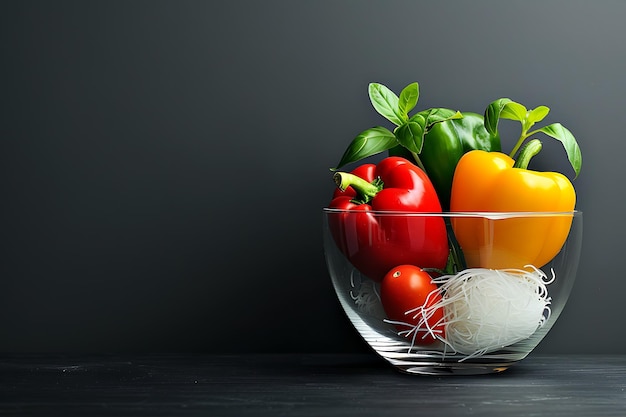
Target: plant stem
418	161
521	140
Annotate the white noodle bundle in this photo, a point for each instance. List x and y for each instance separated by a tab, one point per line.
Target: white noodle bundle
486	310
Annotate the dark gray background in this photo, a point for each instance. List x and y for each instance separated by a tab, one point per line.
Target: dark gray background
164	164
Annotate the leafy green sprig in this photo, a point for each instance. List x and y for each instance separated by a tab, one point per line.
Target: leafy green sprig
409	131
505	108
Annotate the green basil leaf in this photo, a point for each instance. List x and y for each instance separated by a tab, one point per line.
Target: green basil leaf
437	115
367	143
562	134
537	115
408	98
411	134
514	111
492	114
385	102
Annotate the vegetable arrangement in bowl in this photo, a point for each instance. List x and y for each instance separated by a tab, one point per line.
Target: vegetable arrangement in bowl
448	255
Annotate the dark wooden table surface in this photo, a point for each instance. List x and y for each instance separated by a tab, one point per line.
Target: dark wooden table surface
302	385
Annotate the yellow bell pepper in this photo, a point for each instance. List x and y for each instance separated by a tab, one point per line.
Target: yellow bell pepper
489	182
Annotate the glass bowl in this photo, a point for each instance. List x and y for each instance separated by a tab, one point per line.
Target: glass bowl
477	291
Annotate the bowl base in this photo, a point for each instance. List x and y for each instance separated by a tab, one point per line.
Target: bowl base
442	369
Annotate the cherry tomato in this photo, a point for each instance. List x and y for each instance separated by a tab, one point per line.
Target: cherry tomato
409	288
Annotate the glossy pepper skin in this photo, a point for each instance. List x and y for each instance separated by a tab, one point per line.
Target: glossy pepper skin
375	243
445	144
488	182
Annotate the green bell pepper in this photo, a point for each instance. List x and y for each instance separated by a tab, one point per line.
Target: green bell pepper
444	145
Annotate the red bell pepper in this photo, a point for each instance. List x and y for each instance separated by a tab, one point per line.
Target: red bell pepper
377	242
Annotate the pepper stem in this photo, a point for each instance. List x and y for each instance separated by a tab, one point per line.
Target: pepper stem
365	190
529	150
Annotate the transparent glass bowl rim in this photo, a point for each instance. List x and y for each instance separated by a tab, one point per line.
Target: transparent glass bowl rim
494	215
